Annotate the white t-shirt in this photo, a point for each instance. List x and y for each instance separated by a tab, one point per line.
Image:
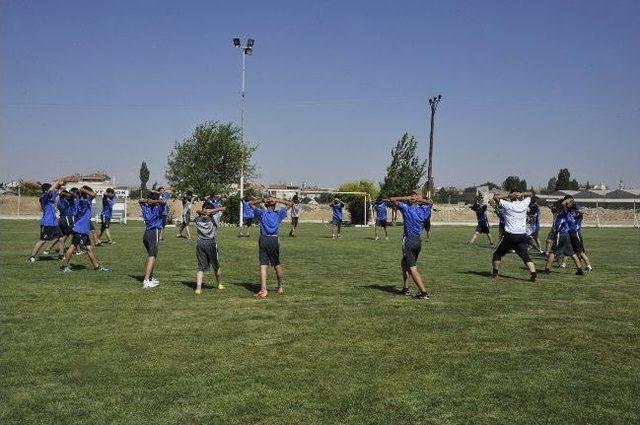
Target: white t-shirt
515	215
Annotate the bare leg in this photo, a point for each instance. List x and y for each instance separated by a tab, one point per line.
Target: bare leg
188	233
148	269
496	266
92	257
550	259
386	234
405	278
415	275
37	247
218	275
585	259
490	239
199	275
376	231
263	277
576	261
67	258
473	238
108	233
333	230
531	266
280	275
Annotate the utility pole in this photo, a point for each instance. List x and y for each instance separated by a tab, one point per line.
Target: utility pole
433	104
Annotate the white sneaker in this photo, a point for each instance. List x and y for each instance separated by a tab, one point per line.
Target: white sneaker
377	238
148	284
563	265
589	267
154	280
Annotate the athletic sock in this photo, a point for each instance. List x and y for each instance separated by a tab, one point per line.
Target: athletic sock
534	275
495	272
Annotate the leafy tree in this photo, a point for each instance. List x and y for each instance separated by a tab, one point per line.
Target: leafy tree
30	188
514	182
144	178
446	196
355	203
551	185
564	181
209	160
405	170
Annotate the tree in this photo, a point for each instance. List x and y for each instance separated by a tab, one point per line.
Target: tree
144	178
355	203
209	160
491	185
514	182
551	185
405	170
564	181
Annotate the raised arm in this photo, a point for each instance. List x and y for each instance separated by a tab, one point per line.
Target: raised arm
288	204
254	201
210	211
88	192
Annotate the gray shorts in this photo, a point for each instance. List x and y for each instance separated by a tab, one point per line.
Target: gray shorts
269	250
186	218
411	247
563	245
207	255
151	240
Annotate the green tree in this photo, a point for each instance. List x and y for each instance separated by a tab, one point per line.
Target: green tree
514	182
564	181
209	160
144	178
355	203
551	185
405	170
491	185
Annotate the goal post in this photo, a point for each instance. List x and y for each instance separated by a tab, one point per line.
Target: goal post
365	195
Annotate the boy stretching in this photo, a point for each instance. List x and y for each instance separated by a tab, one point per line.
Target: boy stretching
105	216
483	223
269	242
247	217
49	224
336	219
575	234
207	222
187	203
295	215
413	217
562	226
152	209
380	207
81	231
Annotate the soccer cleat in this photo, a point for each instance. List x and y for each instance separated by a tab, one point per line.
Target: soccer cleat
376	238
148	284
220	286
261	293
421	296
32	259
579	272
563	266
154	280
339	236
79	252
589	267
103	269
405	292
65	269
280	290
198	292
45	252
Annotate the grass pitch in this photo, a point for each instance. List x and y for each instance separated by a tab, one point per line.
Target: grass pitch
339	347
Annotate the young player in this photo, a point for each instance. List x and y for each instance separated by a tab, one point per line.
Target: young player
187	203
81	230
207	222
269	242
428	211
483	223
562	246
152	213
108	199
66	201
515	206
380	207
413	217
247	216
49	224
575	234
165	195
552	235
533	224
336	219
295	215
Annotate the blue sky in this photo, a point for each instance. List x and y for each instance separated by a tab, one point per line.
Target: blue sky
528	87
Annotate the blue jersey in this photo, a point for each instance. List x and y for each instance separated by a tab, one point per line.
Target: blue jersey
501	216
426	208
247	210
83	216
533	219
152	215
165	208
413	217
381	210
337	210
270	220
65	206
48	205
481	215
107	206
562	224
578	220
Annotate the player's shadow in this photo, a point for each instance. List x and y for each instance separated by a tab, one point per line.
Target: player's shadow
77	266
191	284
391	289
488	275
138	277
249	286
47	258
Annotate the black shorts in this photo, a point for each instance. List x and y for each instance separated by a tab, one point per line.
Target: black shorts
510	241
164	221
562	245
411	247
482	227
576	242
552	236
207	255
427	225
186	218
534	235
294	221
247	221
336	222
151	240
381	223
105	223
50	233
269	250
66	225
80	240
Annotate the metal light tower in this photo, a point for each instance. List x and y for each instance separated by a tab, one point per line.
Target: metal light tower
433	103
245	50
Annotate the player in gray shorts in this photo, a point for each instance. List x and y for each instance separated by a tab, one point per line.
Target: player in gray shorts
295	215
207	222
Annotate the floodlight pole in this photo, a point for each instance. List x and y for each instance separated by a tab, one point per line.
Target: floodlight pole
433	103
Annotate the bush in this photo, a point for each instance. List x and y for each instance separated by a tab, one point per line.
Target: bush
30	189
231	214
355	206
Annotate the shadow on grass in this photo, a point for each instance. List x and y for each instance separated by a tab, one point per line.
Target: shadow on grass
138	277
251	287
191	284
47	258
391	289
488	275
77	266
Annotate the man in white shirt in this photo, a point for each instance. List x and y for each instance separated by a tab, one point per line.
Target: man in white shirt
515	206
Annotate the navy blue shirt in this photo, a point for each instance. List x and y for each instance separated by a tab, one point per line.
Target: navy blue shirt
48	205
65	206
481	215
83	216
427	211
247	210
381	210
562	223
165	208
270	220
152	215
337	210
413	217
107	206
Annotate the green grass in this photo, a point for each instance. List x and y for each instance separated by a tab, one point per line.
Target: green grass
337	348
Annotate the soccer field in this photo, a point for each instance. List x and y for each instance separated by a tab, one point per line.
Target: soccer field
339	347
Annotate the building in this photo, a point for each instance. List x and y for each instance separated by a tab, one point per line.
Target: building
96	180
471	193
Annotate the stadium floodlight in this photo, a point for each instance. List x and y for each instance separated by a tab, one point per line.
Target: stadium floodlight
247	49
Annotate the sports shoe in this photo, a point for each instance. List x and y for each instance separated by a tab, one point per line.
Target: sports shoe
376	238
579	272
339	236
261	293
79	252
31	260
103	269
45	252
220	286
421	296
589	267
280	290
563	266
496	277
198	292
386	238
534	279
154	280
546	271
148	284
405	292
65	269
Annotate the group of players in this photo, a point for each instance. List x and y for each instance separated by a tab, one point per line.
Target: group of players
68	213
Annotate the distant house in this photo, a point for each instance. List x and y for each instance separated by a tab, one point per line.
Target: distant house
97	180
470	193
